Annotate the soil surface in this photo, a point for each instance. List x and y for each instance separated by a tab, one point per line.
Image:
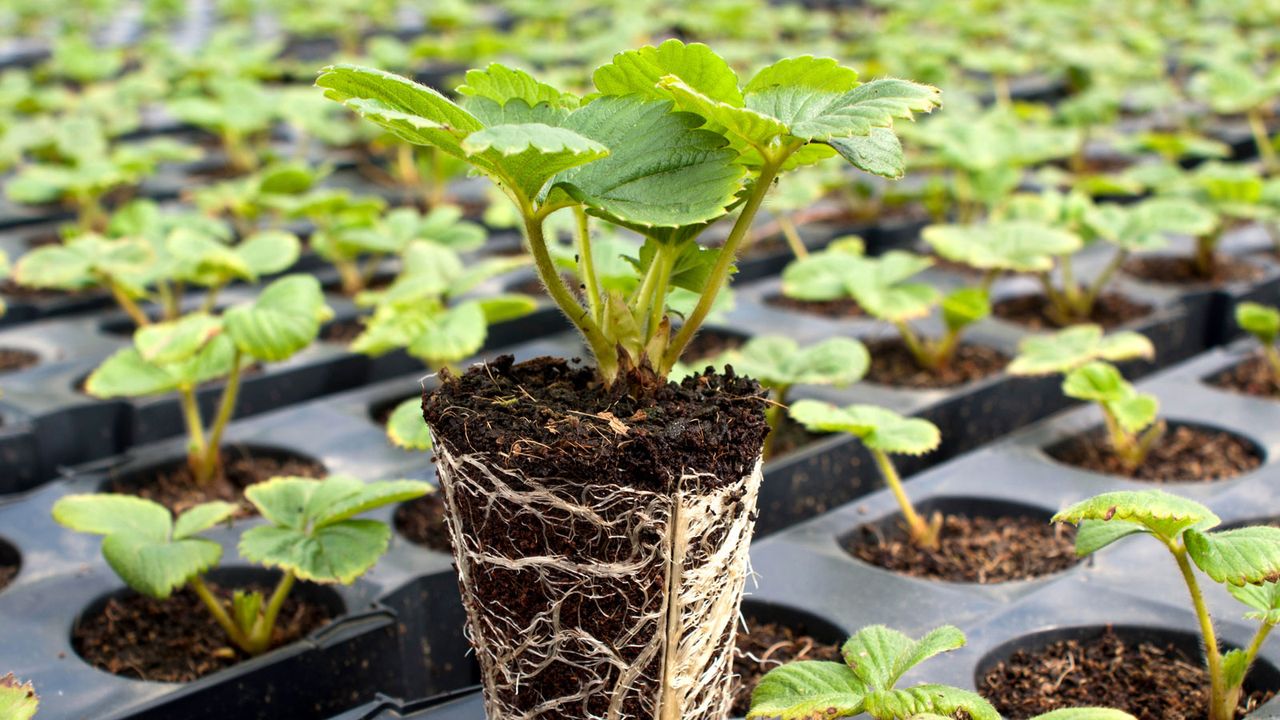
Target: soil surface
342	332
174	485
177	640
1033	311
839	309
765	646
15	359
421	522
1185	454
791	436
1153	681
983	550
892	364
12	289
710	343
1181	271
1251	376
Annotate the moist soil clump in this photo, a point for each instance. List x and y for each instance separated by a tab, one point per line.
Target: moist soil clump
981	550
893	364
12	359
421	522
177	640
1184	454
1034	311
839	309
174	486
1252	376
1150	680
342	332
1182	271
765	646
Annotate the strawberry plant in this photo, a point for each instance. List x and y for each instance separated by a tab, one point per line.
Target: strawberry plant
1231	87
262	198
312	534
18	700
1084	356
883	288
181	354
1246	561
875	659
885	433
1233	194
239	112
1263	323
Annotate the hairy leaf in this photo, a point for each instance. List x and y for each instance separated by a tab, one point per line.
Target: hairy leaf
333	554
1248	555
1016	246
878	428
807	689
880	655
938	699
284	319
406	428
1075	346
1161	513
1264	598
177	340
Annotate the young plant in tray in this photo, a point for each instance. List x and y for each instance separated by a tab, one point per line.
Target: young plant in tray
885	433
1246	561
1233	194
1263	323
18	700
1084	356
180	355
875	659
312	534
239	111
882	287
1231	87
709	145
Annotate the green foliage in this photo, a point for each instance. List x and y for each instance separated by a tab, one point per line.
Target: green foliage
18	700
1068	349
878	428
1263	323
1012	246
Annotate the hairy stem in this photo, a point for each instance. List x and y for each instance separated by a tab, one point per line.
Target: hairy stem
724	263
1213	653
587	263
1266	151
226	409
1125	445
922	533
219	613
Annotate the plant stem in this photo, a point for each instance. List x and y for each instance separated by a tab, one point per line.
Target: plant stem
1124	445
169	299
724	262
1266	151
127	304
923	355
219	613
1100	284
260	638
211	300
921	532
793	236
1213	653
658	302
1205	259
352	280
1273	360
197	448
226	409
587	263
1004	95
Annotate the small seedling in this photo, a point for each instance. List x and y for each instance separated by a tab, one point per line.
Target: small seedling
18	700
884	432
1000	246
1264	324
1231	87
1232	193
882	287
179	355
239	111
1084	355
311	534
1246	561
779	363
875	659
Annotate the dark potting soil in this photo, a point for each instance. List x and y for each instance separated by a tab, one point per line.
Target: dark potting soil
765	646
177	640
1251	376
791	436
11	288
174	486
16	359
893	364
342	332
1181	270
710	343
1034	312
421	522
1153	681
983	550
7	573
839	309
1185	454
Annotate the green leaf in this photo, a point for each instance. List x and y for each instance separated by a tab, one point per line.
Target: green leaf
1135	412
779	361
961	308
807	689
1248	555
502	84
1093	535
176	340
18	700
111	514
457	333
1076	346
507	306
812	97
363	498
1259	320
1085	713
1015	245
157	568
406	428
878	428
1097	382
879	152
205	260
246	607
1264	598
937	699
284	319
126	374
821	276
201	518
268	252
880	656
639	71
337	553
530	154
1161	513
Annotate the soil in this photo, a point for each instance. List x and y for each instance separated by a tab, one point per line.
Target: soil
1181	271
1153	681
791	436
421	522
892	364
710	343
1032	311
765	646
983	550
43	239
381	281
177	640
1185	454
840	309
7	574
174	486
1252	376
12	359
10	288
342	332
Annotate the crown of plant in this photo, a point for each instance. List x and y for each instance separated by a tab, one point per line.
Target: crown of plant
708	145
1245	560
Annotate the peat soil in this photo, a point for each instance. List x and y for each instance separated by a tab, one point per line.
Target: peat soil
1035	313
1252	376
893	364
174	486
1185	454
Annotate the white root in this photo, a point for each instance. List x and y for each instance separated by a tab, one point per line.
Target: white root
676	565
